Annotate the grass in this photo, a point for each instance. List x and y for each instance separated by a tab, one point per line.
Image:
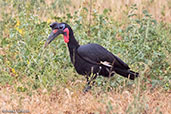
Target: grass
72	100
31	76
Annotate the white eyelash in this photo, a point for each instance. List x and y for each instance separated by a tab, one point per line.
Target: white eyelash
62	25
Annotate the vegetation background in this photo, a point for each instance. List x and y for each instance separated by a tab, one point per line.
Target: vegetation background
39	81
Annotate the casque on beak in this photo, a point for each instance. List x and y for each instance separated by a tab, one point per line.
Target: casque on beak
53	35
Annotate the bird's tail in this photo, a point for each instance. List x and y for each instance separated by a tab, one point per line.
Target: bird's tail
127	73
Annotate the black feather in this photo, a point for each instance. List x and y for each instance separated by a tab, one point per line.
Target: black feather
88	59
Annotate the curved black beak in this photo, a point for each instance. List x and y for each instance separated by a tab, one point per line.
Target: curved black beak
52	36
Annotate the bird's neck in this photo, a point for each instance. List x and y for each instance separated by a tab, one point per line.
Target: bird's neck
72	46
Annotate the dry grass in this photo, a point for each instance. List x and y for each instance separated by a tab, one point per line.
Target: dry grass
74	101
160	9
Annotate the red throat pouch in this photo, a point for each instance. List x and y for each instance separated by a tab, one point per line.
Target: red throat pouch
66	36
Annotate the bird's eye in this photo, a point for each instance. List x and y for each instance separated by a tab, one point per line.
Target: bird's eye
62	26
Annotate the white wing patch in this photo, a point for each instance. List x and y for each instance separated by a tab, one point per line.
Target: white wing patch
106	63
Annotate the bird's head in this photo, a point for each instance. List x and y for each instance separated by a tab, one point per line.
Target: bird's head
57	29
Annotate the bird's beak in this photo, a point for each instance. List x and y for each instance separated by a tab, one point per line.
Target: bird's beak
53	35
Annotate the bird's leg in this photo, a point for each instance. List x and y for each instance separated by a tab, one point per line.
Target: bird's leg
87	78
111	69
90	82
90	79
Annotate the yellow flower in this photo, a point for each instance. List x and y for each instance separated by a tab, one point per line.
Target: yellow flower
13	71
8	62
17	27
49	21
28	62
20	31
18	23
41	43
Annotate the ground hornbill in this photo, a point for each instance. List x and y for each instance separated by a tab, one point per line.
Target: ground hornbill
91	59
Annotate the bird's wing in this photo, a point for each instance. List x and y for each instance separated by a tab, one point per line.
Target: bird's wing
95	53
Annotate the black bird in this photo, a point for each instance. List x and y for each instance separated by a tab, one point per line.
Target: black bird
91	59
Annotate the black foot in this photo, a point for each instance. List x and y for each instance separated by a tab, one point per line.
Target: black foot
86	88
